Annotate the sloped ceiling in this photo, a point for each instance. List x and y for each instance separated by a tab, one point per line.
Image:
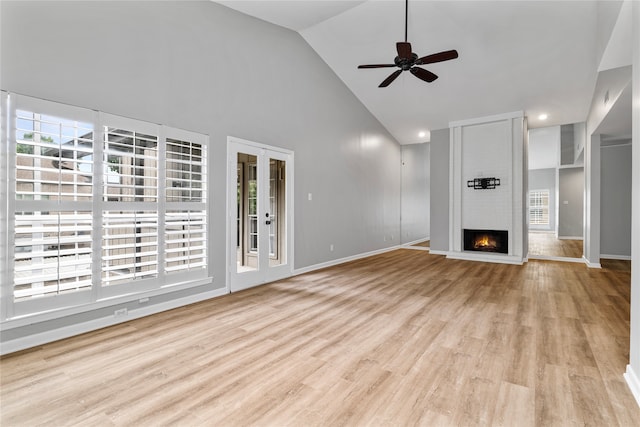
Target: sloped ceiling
534	56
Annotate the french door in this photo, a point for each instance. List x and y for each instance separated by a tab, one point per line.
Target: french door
260	193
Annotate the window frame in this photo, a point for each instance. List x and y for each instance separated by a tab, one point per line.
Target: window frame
98	293
544	194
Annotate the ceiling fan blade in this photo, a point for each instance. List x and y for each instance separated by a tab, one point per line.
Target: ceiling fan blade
391	78
423	74
438	57
377	66
404	49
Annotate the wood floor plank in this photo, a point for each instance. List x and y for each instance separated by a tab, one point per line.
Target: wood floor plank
515	406
401	338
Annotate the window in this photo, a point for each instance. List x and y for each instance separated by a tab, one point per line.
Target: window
252	207
99	206
186	216
53	182
539	207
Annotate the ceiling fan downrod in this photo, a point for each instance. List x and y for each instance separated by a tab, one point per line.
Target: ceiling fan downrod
406	18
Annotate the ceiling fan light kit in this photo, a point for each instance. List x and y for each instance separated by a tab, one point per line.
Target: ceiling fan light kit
409	61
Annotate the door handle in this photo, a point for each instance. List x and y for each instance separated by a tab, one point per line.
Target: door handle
268	221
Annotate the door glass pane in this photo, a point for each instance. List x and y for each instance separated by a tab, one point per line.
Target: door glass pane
247	205
277	214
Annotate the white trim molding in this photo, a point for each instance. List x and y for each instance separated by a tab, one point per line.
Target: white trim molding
487	119
633	382
557	258
437	252
415	248
331	263
618	257
484	257
591	264
95	324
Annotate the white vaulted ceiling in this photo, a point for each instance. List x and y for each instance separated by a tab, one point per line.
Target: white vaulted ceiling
534	56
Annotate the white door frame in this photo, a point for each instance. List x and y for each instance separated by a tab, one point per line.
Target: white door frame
263	275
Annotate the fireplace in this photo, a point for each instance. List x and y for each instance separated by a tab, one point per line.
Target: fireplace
486	241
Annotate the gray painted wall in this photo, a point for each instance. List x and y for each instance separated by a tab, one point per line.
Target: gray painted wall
545	179
439	162
571	197
615	200
206	68
415	193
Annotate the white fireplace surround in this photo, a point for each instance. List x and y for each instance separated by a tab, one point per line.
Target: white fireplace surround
488	147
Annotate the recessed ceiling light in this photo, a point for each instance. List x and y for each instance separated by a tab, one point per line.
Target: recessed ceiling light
422	134
543	116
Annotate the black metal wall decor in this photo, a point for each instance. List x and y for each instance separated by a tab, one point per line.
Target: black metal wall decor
483	183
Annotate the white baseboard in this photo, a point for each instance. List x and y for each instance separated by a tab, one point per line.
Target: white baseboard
592	264
570	238
331	263
633	382
619	257
417	241
557	258
416	248
495	258
92	325
437	252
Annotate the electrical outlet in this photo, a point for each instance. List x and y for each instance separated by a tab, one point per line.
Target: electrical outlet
121	312
331	248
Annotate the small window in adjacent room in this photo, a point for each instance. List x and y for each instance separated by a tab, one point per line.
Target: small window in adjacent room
539	207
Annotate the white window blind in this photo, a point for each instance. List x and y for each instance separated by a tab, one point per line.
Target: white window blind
53	158
52	228
131	166
129	246
52	253
185	171
186	216
185	240
81	229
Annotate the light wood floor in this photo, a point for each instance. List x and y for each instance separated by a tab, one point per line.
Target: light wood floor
424	244
402	338
548	245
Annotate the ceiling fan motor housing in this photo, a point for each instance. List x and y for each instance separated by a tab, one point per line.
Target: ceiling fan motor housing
405	63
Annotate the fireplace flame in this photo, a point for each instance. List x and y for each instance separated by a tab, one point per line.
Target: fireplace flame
484	241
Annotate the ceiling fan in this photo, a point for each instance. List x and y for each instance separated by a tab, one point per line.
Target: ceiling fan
407	60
